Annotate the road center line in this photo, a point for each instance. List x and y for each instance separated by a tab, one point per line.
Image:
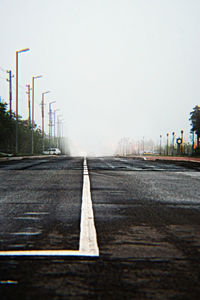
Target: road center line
88	239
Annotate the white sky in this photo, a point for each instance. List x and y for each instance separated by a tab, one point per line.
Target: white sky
116	68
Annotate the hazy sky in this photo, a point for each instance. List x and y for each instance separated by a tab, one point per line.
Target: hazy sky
116	68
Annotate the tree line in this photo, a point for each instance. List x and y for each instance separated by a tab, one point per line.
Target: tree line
8	134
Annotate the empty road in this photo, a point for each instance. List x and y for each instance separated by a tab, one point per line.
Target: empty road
140	239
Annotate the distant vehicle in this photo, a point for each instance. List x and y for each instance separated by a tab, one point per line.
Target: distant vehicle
52	151
150	153
147	153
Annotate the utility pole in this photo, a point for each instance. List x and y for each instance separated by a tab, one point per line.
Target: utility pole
10	91
55	110
32	120
50	122
29	104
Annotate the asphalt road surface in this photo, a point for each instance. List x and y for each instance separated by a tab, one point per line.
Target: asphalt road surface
147	220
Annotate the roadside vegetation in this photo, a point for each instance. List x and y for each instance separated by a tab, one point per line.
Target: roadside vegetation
8	134
195	123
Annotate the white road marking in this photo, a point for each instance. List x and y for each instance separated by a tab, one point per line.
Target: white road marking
8	282
41	253
88	239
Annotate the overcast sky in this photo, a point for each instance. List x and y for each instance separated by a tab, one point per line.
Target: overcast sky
116	68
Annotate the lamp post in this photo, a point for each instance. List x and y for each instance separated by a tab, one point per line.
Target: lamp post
50	121
55	110
42	104
16	134
143	145
182	147
61	134
32	125
160	144
173	139
167	144
59	121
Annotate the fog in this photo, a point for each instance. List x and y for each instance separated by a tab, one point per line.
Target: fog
124	68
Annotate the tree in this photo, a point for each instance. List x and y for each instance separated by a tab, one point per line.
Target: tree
8	133
195	122
7	129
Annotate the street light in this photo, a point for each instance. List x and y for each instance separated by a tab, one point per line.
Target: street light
167	143
55	110
173	139
160	144
59	121
182	147
32	140
43	118
50	121
143	145
16	135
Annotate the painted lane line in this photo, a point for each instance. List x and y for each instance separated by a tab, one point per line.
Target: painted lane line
40	253
8	282
88	239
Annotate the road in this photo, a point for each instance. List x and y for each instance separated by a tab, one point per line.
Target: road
147	221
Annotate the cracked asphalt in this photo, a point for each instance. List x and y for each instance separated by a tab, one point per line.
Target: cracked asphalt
147	217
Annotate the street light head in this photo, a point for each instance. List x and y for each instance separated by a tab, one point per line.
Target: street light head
23	50
46	92
38	76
